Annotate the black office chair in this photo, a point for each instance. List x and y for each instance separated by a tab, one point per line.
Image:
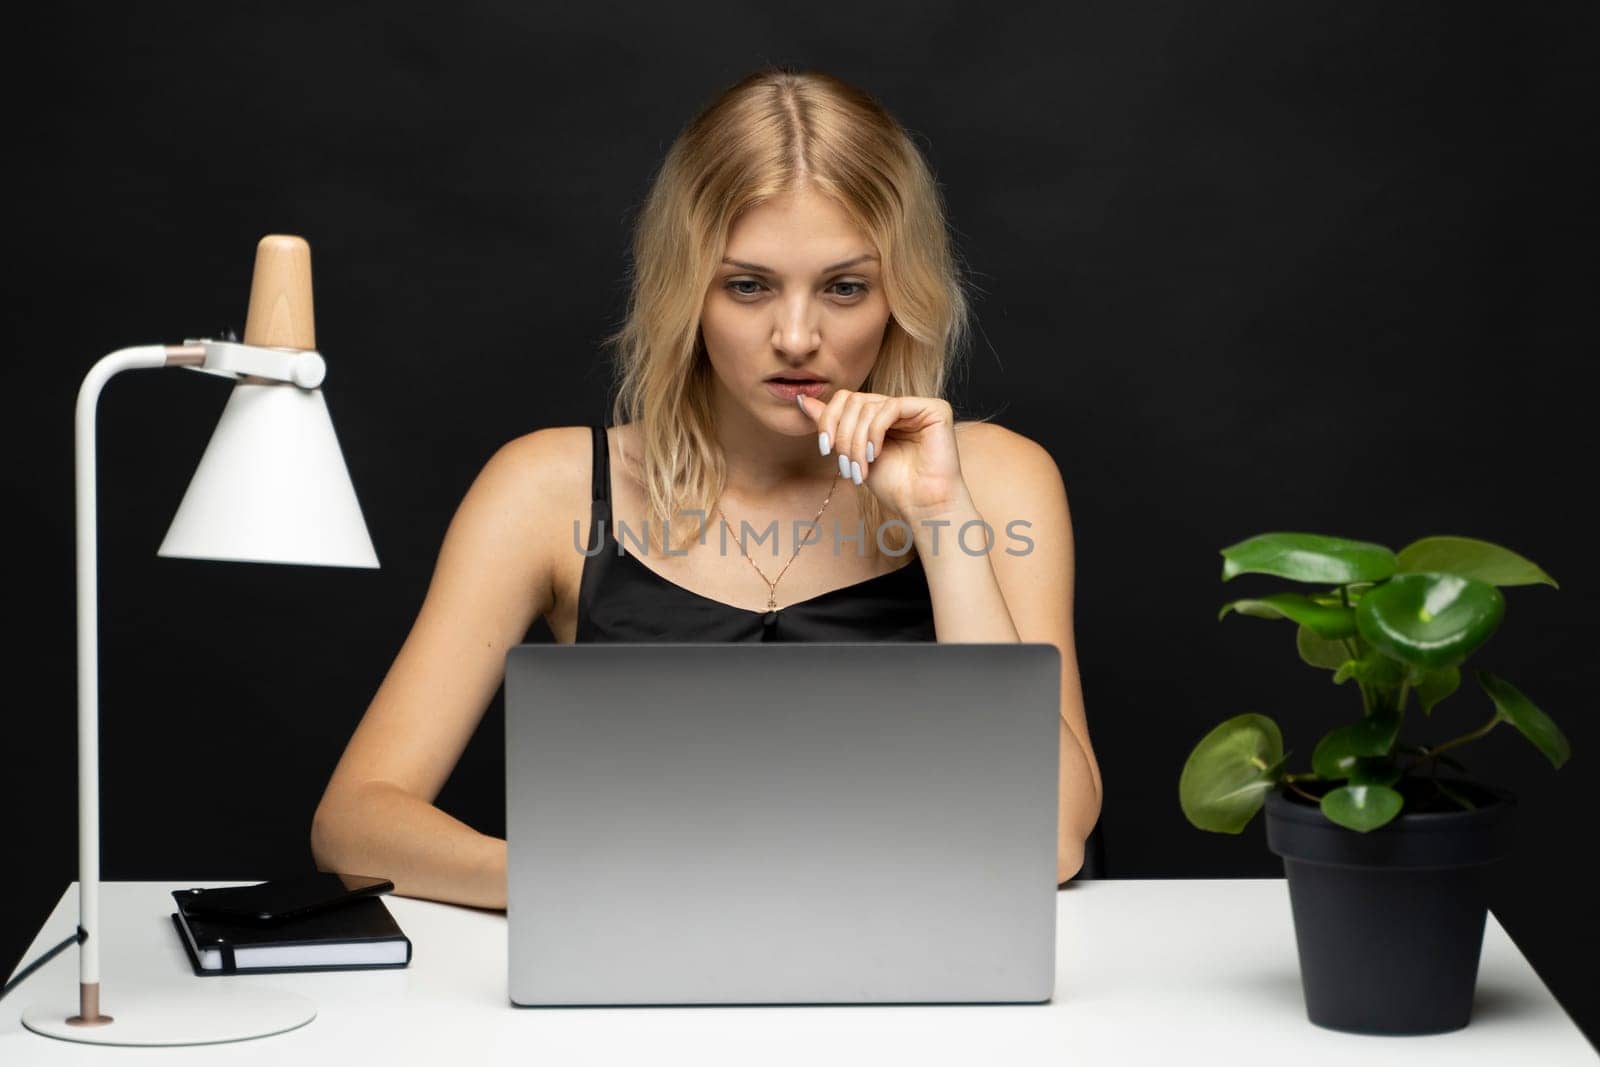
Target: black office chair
1094	856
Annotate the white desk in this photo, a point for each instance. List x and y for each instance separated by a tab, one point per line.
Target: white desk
1148	971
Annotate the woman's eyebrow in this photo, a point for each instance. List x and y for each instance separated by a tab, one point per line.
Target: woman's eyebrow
758	269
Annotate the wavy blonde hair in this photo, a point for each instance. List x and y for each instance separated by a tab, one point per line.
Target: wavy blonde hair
761	138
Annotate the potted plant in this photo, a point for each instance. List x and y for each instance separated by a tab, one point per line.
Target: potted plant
1384	857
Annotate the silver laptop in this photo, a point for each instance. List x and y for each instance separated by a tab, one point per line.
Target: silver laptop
781	823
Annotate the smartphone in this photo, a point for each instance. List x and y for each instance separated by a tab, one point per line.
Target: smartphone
282	898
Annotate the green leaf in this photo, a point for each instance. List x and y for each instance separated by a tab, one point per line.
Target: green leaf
1338	754
1433	686
1432	620
1327	620
1304	557
1226	777
1373	668
1362	807
1532	723
1318	651
1471	558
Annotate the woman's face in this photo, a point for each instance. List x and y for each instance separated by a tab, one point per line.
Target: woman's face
798	294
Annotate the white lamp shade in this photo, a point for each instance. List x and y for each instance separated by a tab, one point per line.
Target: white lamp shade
272	486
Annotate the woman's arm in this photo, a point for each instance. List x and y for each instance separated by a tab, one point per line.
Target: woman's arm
380	829
997	596
493	577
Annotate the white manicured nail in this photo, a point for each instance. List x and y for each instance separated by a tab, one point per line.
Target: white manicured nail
869	451
855	472
844	465
822	442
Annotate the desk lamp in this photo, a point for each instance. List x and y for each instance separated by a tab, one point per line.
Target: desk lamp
272	487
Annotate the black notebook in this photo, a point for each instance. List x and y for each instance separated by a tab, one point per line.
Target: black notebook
357	935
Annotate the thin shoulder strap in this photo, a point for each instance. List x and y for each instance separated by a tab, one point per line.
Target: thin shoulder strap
601	467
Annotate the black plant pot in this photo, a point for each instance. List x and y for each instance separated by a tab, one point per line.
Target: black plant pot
1389	923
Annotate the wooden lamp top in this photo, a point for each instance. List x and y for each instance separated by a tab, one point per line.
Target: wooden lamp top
280	313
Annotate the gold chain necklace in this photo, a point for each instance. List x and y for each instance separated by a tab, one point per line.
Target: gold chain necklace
772	584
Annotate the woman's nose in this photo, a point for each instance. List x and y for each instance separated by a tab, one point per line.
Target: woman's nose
796	329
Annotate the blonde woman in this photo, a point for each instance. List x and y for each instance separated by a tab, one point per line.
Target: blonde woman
782	465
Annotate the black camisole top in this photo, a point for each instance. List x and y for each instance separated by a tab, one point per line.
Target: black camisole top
621	599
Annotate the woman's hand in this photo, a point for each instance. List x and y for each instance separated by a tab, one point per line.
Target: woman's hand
904	446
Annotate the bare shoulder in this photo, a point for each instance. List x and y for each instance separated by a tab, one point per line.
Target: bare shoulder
989	436
1013	479
552	458
541	467
1017	488
1003	466
541	479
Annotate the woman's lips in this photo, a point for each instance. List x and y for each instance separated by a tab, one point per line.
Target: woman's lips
790	390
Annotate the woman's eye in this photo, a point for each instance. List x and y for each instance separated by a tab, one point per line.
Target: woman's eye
750	287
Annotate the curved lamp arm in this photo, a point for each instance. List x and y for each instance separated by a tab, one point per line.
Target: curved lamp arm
303	368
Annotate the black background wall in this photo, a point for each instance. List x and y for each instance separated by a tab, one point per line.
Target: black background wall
1242	267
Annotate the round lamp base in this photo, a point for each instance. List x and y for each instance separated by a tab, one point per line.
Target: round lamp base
203	1014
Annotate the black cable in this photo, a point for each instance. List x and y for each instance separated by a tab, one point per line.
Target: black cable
80	937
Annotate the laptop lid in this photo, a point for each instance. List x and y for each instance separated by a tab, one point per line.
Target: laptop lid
781	823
